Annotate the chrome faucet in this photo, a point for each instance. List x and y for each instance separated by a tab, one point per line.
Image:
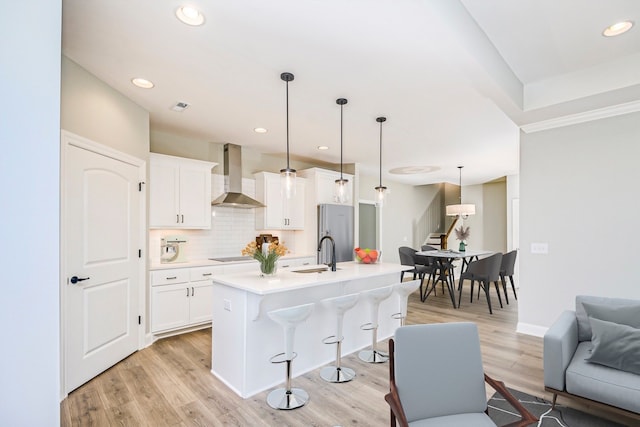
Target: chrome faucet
333	251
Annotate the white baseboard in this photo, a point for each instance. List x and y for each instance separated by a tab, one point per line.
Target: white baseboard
529	329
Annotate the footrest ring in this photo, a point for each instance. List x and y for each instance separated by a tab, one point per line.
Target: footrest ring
368	326
334	341
273	359
397	316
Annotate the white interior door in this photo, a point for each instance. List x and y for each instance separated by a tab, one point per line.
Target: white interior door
102	205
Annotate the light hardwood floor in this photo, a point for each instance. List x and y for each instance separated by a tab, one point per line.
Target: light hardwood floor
170	384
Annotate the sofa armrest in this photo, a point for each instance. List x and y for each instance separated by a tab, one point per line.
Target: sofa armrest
560	343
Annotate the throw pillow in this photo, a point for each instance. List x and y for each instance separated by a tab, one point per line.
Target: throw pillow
584	328
615	345
627	315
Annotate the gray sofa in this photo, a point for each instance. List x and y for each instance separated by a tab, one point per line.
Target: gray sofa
609	377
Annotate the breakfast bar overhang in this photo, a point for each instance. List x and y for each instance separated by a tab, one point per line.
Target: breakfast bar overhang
244	338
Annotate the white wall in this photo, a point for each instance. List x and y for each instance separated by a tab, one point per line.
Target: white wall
578	194
29	171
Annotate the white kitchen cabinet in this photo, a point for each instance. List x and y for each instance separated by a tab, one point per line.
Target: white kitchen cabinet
181	297
179	192
280	213
322	184
296	262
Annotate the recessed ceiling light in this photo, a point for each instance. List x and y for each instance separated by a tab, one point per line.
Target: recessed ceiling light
143	83
414	170
617	28
190	15
260	130
322	147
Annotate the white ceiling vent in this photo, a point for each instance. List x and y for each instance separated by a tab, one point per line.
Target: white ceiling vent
180	107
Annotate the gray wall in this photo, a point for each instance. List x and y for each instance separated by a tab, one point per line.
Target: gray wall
29	171
578	193
94	110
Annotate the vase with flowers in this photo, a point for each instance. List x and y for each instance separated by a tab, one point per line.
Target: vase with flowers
267	256
462	234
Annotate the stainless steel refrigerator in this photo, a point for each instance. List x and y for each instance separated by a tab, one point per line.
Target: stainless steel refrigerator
337	222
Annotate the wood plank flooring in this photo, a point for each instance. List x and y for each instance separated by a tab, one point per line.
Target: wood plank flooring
170	383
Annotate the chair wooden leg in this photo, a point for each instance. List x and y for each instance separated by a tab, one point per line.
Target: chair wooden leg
485	285
504	288
498	291
401	275
513	286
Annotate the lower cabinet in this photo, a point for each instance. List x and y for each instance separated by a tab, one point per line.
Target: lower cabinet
181	297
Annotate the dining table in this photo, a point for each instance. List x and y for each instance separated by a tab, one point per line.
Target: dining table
444	259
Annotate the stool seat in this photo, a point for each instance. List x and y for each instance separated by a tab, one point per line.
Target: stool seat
339	305
374	297
289	318
403	290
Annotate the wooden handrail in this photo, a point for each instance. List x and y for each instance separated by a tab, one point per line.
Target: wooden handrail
445	237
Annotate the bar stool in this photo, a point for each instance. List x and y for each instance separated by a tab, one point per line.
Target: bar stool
289	318
404	289
374	297
339	305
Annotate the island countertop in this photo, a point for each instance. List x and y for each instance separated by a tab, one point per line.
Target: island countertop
288	280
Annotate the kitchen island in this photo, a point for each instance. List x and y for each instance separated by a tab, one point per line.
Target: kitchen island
244	337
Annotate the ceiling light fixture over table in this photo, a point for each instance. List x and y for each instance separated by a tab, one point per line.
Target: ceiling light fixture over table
342	196
380	189
190	16
463	211
288	175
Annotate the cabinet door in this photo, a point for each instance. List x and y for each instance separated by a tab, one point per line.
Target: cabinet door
201	301
163	195
195	197
268	192
169	306
294	208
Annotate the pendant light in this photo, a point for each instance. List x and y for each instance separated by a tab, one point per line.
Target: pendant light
288	175
342	195
380	189
463	211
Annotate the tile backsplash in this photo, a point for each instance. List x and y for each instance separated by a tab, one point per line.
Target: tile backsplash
231	229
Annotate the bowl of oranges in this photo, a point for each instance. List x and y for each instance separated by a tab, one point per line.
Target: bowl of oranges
367	256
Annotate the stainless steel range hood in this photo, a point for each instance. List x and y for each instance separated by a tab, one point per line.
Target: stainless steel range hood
233	196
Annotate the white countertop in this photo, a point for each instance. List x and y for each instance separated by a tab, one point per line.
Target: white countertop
286	279
210	262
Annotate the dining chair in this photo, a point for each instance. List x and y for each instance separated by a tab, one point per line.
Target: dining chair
442	397
506	270
484	271
408	258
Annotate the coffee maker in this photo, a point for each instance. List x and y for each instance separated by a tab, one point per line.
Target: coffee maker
172	249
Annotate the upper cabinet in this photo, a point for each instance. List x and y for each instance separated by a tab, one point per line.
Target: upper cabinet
322	185
280	213
179	192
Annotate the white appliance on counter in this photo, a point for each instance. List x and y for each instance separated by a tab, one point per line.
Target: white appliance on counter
173	249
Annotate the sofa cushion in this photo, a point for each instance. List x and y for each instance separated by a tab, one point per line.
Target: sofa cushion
601	383
615	345
624	315
584	328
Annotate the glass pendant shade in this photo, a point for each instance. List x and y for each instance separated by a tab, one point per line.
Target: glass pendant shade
288	182
287	175
380	193
342	191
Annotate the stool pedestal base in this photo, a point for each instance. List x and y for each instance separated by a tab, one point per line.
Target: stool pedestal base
282	399
335	374
373	356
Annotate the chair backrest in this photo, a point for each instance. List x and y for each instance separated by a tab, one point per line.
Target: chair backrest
438	370
486	268
425	248
508	263
407	255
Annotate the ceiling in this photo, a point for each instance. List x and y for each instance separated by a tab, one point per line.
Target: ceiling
455	78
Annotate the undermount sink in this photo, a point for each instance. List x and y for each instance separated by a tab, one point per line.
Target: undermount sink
313	270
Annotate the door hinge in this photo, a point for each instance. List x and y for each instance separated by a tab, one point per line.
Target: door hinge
140	184
139	320
139	253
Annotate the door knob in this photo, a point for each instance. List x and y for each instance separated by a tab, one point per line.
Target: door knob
76	279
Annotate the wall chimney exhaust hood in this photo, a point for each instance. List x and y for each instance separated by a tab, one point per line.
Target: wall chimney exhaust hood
233	196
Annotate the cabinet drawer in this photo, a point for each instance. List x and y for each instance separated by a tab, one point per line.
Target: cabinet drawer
164	277
204	273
